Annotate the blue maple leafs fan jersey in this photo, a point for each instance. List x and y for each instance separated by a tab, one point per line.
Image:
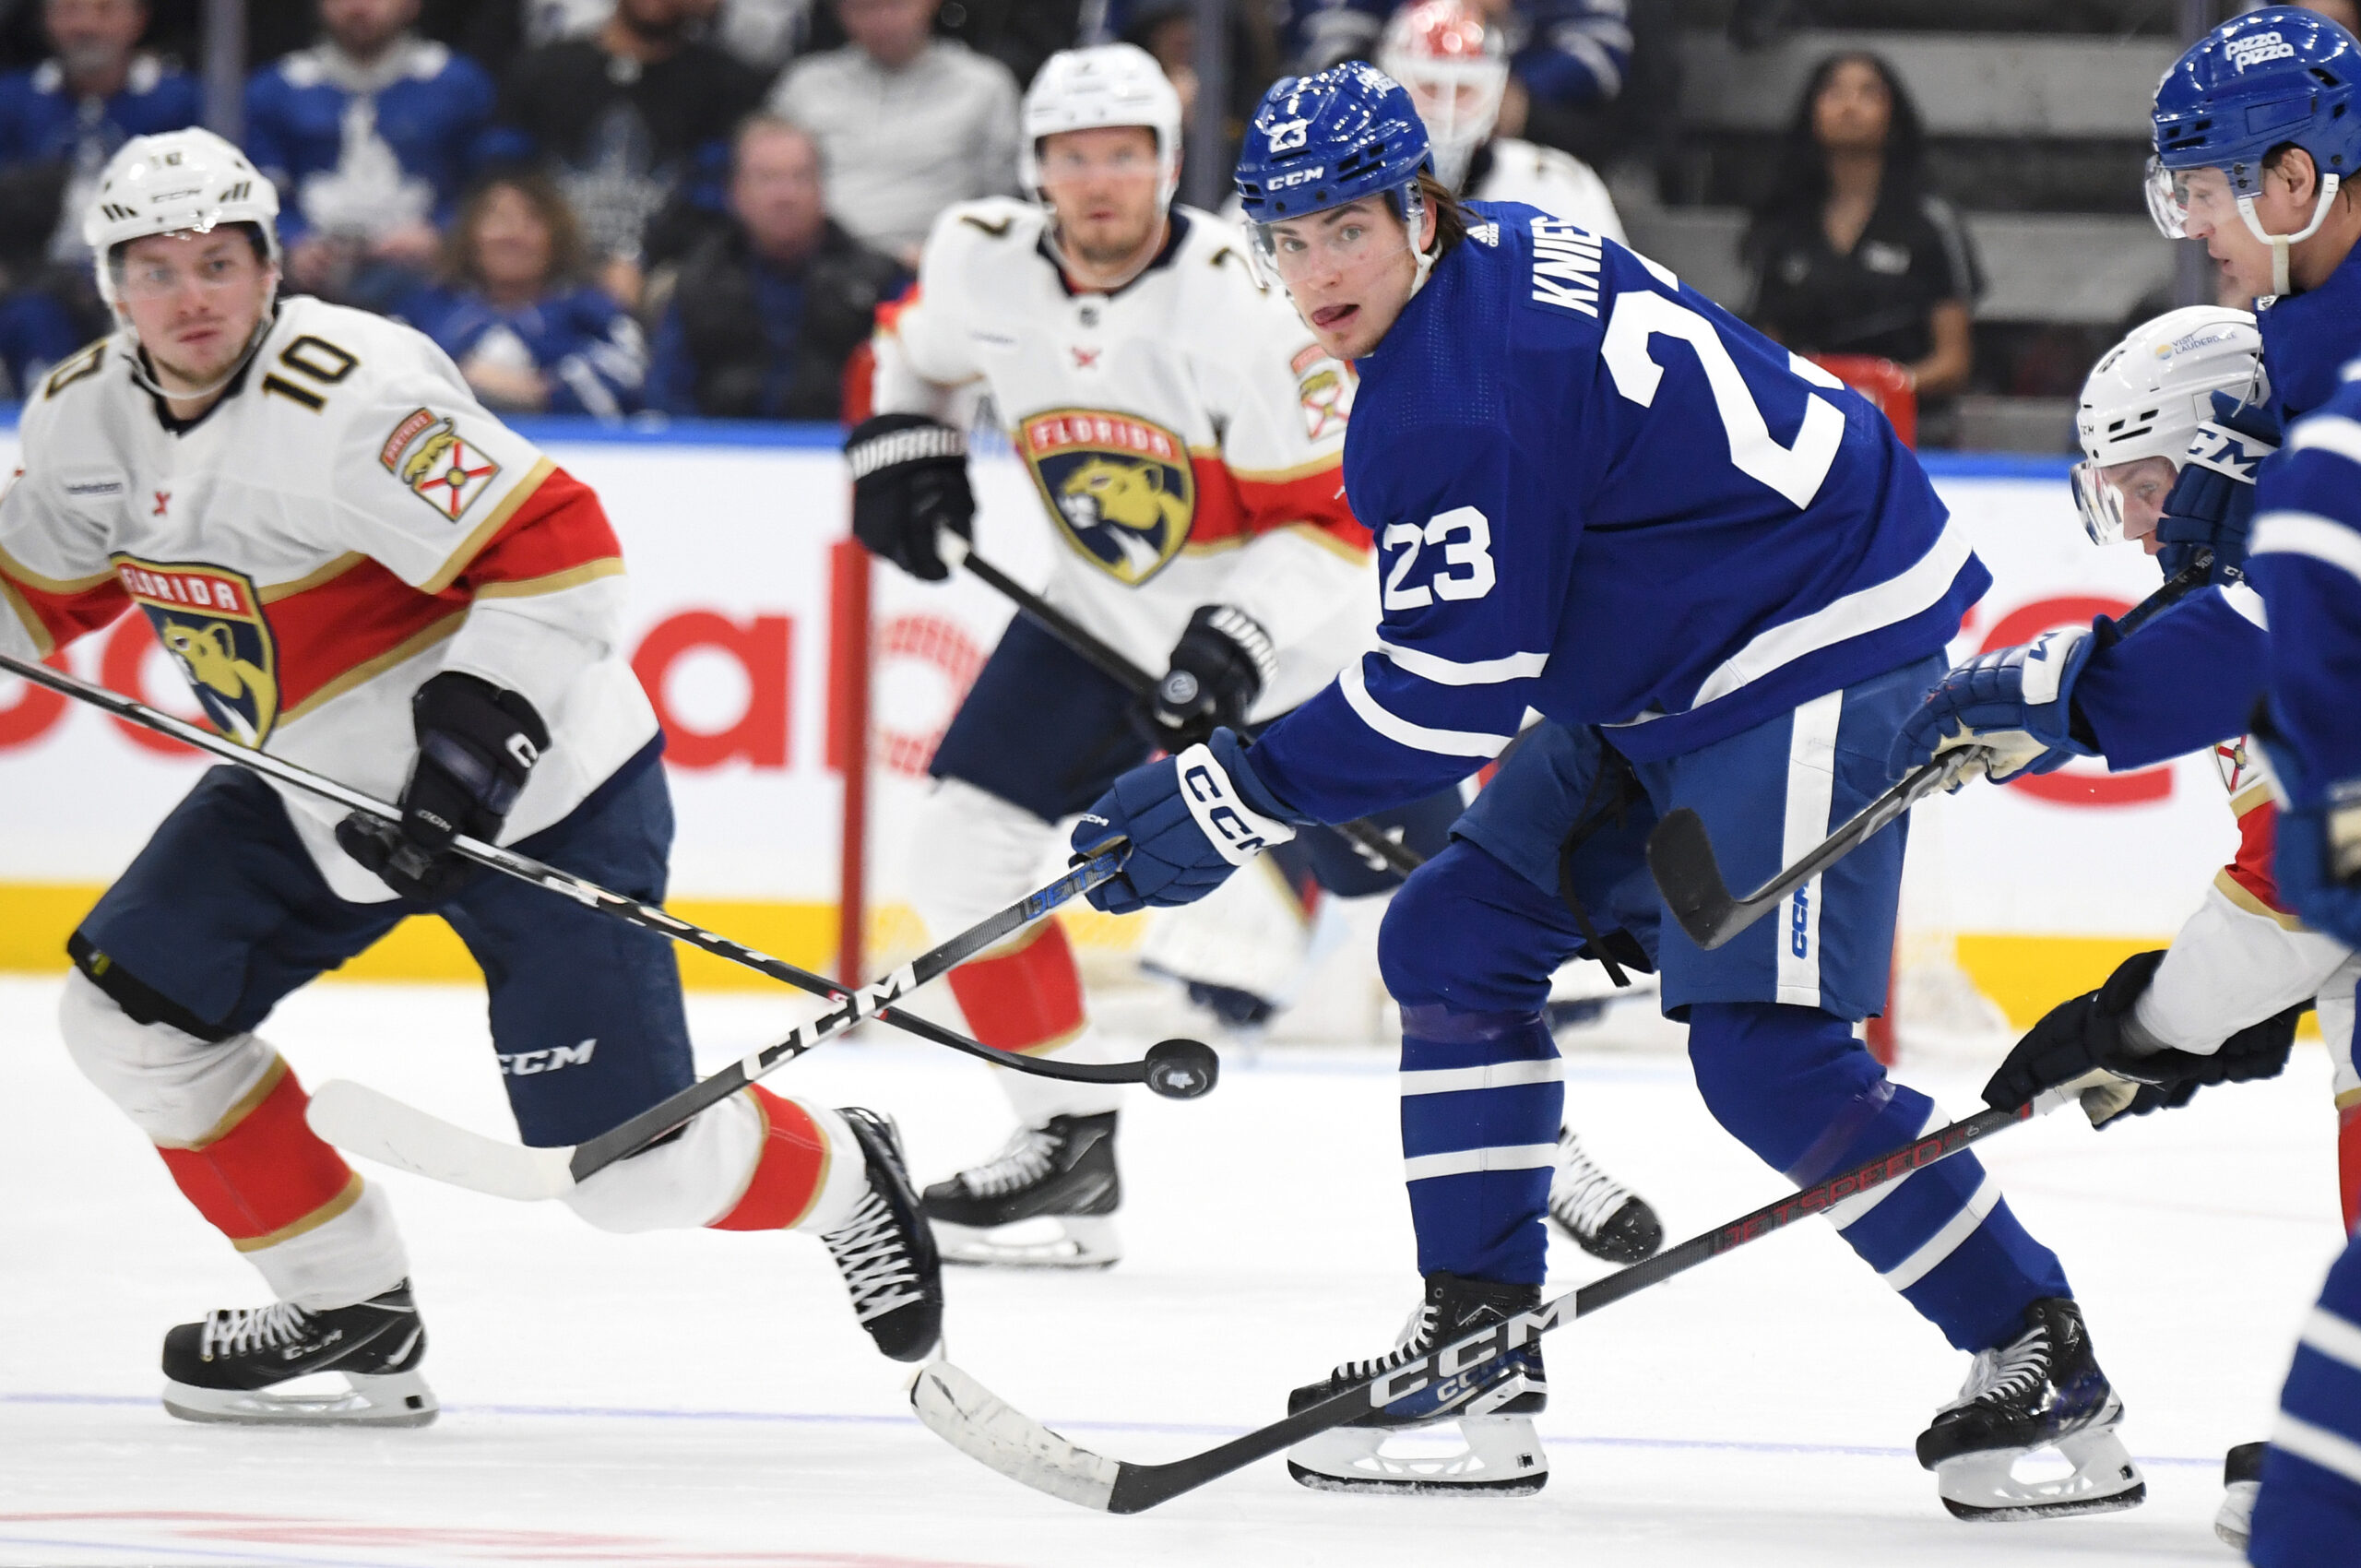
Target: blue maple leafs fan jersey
1598	494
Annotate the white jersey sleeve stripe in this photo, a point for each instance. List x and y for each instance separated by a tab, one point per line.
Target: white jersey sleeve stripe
1465	672
1491	1076
2333	434
2332	1336
2321	1446
1897	599
2308	533
1853	1209
1418	737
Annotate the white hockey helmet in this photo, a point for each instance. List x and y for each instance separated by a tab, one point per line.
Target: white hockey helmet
2147	395
1456	64
1109	84
189	181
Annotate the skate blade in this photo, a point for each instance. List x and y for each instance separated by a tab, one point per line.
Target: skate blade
1065	1240
396	1399
1499	1457
2234	1520
1986	1488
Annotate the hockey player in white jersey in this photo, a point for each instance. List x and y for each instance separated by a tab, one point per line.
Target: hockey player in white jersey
1454	61
360	570
1184	434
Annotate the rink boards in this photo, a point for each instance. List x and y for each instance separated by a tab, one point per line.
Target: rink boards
728	532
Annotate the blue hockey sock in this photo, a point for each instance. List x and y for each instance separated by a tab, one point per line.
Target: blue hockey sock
1481	1098
2308	1512
1794	1085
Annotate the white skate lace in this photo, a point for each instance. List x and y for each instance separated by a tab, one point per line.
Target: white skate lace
1418	1337
1025	1160
233	1331
875	1257
1581	1194
2014	1373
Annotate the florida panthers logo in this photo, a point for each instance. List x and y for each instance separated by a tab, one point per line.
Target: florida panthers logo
210	621
1121	488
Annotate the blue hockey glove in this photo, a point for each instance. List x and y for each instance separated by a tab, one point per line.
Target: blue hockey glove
2211	503
1193	819
2016	704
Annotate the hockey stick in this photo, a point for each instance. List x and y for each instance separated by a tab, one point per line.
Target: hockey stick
969	1416
1681	852
1363	835
361	1121
1179	1075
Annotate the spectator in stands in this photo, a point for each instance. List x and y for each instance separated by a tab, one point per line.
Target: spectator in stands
529	332
1852	254
762	318
59	124
908	122
371	135
629	119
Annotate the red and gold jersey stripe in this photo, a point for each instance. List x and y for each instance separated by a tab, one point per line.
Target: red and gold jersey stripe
1235	505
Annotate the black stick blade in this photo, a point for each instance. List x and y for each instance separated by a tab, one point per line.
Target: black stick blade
1681	858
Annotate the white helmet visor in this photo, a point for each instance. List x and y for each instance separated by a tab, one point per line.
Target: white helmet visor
2099	503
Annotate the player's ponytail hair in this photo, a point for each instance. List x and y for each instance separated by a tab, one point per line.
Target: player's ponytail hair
1451	219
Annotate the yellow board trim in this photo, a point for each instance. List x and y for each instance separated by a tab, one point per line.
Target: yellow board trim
312	1222
37	917
2027	976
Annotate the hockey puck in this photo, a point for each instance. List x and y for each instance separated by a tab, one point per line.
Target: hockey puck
1182	1069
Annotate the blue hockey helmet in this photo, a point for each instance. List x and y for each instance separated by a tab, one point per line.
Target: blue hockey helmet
2281	76
1322	140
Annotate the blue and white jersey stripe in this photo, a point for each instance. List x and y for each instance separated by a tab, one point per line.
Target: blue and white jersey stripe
2304	557
1599	496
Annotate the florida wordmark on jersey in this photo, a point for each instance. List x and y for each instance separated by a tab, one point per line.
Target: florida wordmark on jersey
1598	494
346	522
1184	433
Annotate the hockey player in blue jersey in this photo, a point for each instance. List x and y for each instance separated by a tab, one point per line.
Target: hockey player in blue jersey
2307	563
1723	580
2257	128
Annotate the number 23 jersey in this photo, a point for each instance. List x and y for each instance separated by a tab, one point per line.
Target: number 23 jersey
346	521
1598	494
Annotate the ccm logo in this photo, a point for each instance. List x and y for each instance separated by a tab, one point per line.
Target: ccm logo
525	1064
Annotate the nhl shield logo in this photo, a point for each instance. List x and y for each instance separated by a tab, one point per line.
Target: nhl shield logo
210	621
1120	487
440	467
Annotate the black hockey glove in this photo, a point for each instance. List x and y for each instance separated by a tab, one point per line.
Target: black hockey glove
477	746
909	481
1218	668
2080	1044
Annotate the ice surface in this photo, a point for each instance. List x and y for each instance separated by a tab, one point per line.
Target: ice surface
705	1399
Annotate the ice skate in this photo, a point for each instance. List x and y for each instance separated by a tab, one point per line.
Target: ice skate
2241	1479
1494	1404
2042	1390
229	1365
1046	1201
1606	1218
885	1252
